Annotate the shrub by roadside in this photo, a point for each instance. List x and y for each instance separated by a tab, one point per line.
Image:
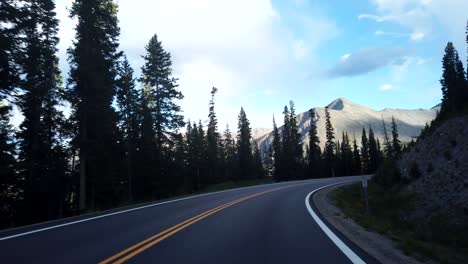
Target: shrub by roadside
434	239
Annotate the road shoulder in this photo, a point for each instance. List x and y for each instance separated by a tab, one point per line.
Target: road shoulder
380	247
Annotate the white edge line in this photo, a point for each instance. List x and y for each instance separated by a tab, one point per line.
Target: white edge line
340	244
128	210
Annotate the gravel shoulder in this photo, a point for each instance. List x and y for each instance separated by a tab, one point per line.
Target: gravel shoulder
382	248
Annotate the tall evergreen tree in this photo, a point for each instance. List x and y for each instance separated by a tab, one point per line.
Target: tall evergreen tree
259	170
388	147
202	150
8	177
277	153
41	154
365	151
453	82
314	152
212	136
244	147
144	181
346	156
297	152
330	145
157	76
396	144
230	154
91	86
129	119
357	162
373	152
10	49
461	89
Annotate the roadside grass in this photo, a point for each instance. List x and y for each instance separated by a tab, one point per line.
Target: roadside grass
434	239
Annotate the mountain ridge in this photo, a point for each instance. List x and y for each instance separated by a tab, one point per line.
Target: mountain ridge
350	117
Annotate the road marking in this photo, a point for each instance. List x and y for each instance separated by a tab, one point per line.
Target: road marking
147	243
128	210
340	244
162	233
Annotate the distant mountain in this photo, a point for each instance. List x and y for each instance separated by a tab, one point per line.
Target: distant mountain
350	117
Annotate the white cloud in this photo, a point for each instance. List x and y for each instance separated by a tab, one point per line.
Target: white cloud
300	49
345	57
374	17
387	87
231	44
416	36
420	16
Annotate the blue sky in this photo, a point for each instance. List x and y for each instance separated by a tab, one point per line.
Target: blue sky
260	54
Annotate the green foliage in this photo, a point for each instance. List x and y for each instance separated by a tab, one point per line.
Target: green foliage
91	90
329	152
414	171
8	176
277	155
42	159
454	84
314	152
436	238
388	174
244	148
10	49
129	114
213	144
374	153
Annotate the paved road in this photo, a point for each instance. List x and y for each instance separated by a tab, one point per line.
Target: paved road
262	224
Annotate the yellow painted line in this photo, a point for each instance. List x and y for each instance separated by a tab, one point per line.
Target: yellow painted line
147	243
108	260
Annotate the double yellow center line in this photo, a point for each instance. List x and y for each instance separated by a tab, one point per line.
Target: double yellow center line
147	243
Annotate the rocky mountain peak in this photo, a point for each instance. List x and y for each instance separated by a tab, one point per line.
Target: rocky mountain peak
339	104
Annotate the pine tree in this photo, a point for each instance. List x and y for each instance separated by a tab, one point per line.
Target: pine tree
396	144
296	154
453	82
10	50
202	154
285	142
8	178
357	162
388	148
157	77
346	155
230	154
373	152
365	151
244	148
213	141
314	152
277	154
10	55
41	156
259	170
177	166
144	181
461	87
330	145
91	86
129	119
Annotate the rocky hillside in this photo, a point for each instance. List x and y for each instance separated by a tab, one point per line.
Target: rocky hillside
351	117
437	169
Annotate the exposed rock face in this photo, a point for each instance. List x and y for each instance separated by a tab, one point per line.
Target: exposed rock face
351	117
438	169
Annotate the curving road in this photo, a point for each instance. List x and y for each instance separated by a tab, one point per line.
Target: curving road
261	224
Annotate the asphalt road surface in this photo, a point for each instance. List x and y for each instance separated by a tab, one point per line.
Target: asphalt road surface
261	224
